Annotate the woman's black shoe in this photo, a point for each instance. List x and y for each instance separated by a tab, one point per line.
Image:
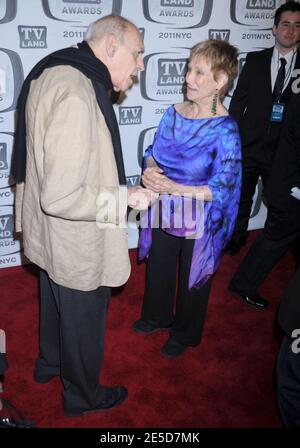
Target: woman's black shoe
172	348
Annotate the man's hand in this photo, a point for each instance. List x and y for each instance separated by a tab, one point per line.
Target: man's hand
140	198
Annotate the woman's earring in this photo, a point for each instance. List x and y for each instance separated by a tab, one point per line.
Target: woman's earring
214	103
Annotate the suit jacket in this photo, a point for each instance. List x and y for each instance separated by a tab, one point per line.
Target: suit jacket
71	205
285	173
251	106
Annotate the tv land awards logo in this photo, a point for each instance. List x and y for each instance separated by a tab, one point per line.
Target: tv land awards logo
181	13
145	139
8	245
80	10
130	115
8	10
3	156
133	181
6	226
261	4
6	196
171	72
178	3
6	142
12	77
82	1
241	61
253	12
32	36
164	75
219	34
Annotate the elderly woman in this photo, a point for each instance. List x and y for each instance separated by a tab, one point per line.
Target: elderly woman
195	166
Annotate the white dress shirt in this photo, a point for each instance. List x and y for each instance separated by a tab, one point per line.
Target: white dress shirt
290	58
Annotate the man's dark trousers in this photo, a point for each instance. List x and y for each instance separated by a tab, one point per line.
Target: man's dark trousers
72	329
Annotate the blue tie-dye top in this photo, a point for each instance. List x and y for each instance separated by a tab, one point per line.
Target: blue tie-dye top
205	151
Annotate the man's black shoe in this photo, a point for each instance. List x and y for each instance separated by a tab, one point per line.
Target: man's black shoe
113	396
13	418
172	348
254	300
144	327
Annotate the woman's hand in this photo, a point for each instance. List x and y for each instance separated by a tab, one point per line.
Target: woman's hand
154	179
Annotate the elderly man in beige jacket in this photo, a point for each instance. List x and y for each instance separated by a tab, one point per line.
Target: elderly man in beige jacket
71	203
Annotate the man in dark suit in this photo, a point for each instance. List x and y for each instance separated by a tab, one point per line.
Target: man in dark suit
263	89
288	362
282	226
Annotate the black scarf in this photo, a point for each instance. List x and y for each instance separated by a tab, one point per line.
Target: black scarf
83	59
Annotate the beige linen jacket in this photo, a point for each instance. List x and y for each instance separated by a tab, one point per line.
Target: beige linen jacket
71	182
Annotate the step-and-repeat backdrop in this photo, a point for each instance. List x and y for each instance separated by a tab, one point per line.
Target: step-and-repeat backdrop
30	29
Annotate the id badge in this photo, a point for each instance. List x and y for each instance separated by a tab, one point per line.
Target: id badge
277	112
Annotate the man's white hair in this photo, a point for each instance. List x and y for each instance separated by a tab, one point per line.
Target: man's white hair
116	25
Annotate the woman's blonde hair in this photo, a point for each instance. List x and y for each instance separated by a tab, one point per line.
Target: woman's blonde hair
222	56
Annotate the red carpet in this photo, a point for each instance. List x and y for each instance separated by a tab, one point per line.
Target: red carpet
226	382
